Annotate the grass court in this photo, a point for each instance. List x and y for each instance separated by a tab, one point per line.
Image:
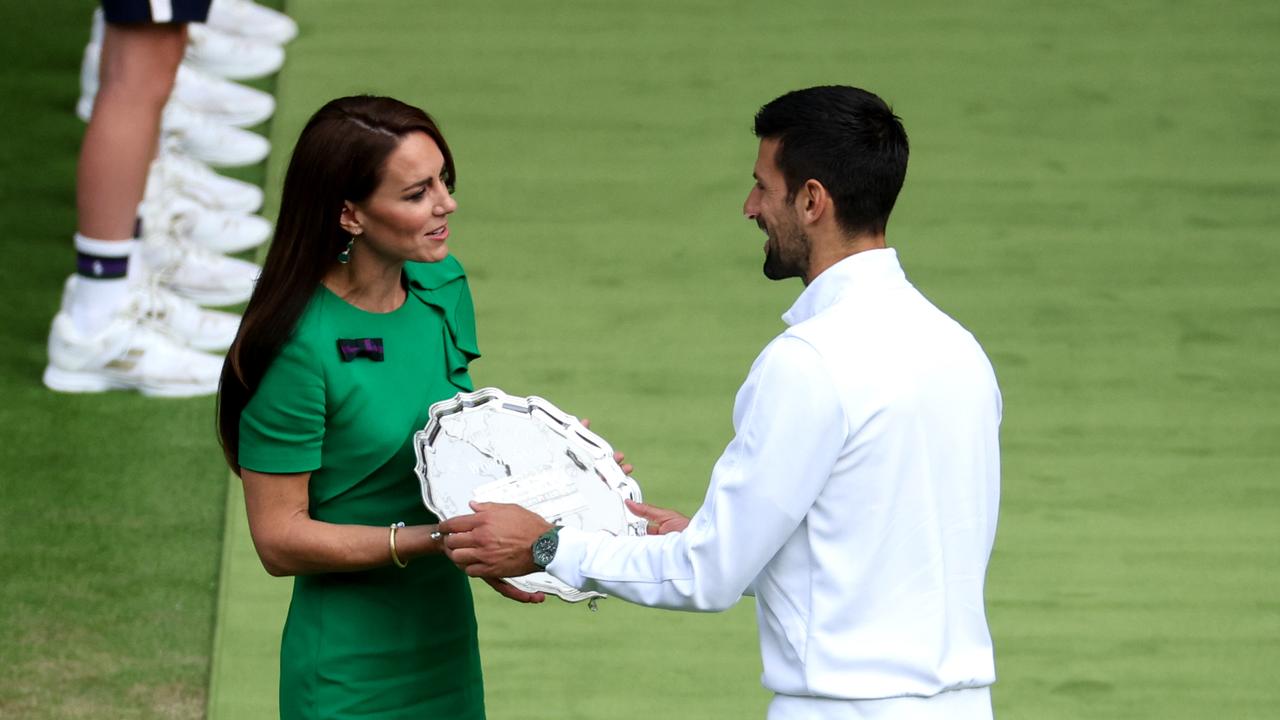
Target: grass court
1093	191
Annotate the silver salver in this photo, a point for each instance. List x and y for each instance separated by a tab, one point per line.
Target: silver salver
493	447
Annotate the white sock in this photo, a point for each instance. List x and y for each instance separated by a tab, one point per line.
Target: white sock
138	272
93	302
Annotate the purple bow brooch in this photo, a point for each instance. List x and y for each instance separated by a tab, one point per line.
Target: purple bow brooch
350	349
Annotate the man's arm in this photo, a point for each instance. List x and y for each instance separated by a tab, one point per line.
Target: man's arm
790	430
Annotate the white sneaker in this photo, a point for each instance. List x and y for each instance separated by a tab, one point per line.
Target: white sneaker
251	20
219	99
213	142
166	313
219	231
188	323
200	275
126	355
173	174
230	56
200	136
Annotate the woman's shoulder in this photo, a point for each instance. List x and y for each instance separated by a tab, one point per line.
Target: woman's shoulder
310	328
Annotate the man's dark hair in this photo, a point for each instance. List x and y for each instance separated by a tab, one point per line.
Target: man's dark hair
845	138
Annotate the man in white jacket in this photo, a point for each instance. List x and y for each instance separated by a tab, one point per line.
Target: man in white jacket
858	498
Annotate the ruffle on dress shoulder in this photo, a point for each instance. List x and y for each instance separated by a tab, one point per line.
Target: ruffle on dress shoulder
443	285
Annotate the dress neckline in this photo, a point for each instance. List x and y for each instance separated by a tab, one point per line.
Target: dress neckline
404	284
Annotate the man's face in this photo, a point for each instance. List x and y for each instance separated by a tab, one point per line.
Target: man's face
786	247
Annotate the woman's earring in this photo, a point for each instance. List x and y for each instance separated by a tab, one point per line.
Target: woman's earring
344	257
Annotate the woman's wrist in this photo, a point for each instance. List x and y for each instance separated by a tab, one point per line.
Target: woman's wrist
415	541
391	540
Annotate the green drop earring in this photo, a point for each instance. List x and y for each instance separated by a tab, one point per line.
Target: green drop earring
344	257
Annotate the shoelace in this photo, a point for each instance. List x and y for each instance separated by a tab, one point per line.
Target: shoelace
176	251
179	223
156	308
160	218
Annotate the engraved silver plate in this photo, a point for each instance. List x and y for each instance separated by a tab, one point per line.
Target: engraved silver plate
493	447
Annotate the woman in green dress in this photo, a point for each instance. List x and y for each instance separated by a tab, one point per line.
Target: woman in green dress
360	321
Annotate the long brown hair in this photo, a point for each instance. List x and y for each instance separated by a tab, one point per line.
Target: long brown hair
340	156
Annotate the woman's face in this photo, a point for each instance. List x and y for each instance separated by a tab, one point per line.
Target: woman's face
407	216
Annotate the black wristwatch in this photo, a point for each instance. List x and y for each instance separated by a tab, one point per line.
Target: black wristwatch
544	548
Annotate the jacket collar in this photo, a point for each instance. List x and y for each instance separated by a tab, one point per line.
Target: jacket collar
860	272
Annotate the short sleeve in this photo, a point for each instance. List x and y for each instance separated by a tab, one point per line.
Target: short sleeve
282	426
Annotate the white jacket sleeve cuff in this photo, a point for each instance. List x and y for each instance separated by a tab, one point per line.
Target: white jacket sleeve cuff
566	566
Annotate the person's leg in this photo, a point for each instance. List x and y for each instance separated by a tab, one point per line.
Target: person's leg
108	334
139	62
138	66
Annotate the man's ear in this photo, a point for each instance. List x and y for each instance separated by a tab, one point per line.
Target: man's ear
349	219
813	201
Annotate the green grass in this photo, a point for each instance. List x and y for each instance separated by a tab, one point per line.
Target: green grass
1092	191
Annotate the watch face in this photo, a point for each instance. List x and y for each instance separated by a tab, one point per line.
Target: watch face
544	550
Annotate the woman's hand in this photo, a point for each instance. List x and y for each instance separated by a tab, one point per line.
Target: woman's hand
661	520
627	468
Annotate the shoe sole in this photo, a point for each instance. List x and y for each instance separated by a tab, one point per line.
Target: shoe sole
69	381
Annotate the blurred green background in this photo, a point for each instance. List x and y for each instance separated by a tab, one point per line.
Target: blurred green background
1094	191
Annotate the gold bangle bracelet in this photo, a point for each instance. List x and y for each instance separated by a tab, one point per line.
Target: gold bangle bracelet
394	557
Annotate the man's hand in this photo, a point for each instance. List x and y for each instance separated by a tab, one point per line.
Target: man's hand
661	520
508	590
495	542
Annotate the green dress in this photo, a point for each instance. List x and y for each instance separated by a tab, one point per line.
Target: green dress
389	642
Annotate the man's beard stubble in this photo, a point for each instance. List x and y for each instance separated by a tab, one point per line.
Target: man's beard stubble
786	254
